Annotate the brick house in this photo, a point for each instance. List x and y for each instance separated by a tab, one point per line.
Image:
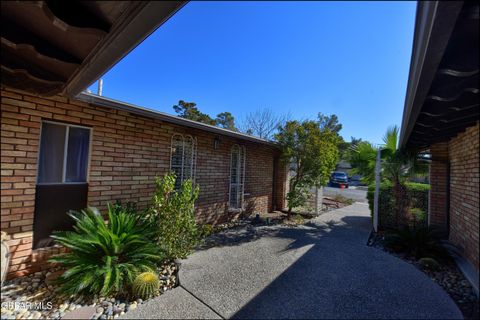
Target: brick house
63	149
441	117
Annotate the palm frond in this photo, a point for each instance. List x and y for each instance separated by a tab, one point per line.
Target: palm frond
390	139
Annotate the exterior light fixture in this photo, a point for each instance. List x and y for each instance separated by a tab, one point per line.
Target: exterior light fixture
216	143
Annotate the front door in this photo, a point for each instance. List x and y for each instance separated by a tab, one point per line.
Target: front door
61	180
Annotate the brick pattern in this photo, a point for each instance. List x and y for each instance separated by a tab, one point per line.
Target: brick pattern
464	193
438	192
128	152
281	185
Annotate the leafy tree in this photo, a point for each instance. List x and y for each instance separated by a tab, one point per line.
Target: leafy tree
313	152
397	166
345	148
225	120
329	122
189	110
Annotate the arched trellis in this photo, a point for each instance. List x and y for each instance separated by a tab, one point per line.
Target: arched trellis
183	157
237	177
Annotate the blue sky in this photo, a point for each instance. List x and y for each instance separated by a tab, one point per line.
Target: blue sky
347	58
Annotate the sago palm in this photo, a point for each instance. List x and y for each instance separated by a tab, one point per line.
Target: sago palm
104	258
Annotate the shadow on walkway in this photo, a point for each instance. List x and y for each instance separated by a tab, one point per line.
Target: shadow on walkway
321	270
340	277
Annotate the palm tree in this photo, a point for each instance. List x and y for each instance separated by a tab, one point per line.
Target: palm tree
397	165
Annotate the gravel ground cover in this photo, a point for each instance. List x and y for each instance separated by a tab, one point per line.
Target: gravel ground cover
448	276
34	297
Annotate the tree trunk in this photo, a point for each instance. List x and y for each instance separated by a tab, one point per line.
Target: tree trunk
293	185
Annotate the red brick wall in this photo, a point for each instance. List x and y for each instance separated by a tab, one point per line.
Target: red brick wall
281	187
128	152
438	191
464	193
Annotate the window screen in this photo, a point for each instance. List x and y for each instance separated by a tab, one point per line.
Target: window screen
237	177
63	153
183	157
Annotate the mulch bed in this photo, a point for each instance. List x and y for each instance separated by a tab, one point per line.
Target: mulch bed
449	277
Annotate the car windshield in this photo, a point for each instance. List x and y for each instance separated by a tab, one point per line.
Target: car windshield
339	175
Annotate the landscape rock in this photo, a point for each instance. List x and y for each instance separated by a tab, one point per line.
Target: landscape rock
41	286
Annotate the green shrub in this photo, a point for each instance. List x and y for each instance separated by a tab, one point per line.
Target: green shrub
417	194
145	285
416	242
429	264
418	217
297	197
104	258
173	214
205	230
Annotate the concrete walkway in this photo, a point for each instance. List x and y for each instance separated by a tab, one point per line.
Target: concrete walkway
321	270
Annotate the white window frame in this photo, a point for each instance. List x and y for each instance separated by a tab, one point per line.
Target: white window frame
193	166
241	173
65	153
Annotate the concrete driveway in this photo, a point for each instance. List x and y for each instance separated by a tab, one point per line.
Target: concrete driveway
321	270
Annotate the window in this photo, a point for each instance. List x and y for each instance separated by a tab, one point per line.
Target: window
64	151
183	157
237	177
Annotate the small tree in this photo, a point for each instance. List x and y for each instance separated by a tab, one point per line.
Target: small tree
313	152
173	211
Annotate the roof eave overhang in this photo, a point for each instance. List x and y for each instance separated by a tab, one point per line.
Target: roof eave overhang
143	20
430	40
154	114
61	47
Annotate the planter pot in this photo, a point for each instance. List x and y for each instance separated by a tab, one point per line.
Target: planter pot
5	257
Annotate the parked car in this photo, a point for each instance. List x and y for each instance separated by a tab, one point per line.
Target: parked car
356	180
339	179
